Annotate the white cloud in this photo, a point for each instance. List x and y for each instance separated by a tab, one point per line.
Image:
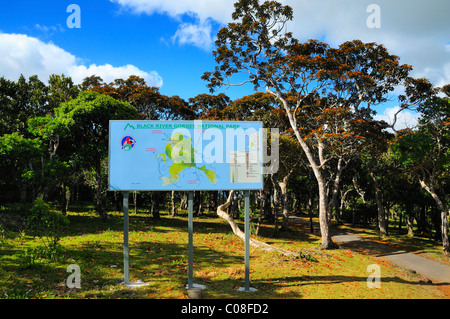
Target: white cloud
405	119
22	54
415	30
219	10
28	55
49	29
109	73
198	35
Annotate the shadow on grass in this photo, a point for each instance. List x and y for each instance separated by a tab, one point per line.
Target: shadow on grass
148	261
337	279
162	266
92	224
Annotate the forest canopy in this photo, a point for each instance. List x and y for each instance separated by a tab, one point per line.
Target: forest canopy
337	160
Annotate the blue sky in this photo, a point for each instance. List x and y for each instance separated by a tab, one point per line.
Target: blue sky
169	42
111	35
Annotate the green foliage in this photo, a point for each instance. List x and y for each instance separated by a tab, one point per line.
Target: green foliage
307	256
41	254
20	101
48	225
87	118
77	135
16	148
19	157
412	149
426	151
45	223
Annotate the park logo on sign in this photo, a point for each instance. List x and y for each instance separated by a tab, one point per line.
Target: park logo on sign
128	142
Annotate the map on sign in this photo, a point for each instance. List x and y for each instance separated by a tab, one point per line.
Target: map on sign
185	155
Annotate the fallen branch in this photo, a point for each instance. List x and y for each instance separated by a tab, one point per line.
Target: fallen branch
221	211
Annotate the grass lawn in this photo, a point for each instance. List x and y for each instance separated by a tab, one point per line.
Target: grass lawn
158	256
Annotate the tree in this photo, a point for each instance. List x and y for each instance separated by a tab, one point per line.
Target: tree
425	154
325	92
375	162
19	159
147	100
60	89
8	110
289	164
24	102
85	123
207	106
20	101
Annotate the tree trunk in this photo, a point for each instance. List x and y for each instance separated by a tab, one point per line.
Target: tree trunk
410	224
275	201
173	212
327	242
261	211
285	204
207	201
360	192
65	192
99	194
382	226
335	190
311	209
344	201
267	205
135	202
436	223
422	220
183	201
198	207
444	221
117	202
155	205
22	192
214	200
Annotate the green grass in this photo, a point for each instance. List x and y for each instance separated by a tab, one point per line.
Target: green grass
158	256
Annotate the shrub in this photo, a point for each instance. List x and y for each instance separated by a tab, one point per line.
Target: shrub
45	223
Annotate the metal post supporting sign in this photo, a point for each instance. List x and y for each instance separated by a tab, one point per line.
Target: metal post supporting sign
191	243
191	238
126	252
247	243
126	247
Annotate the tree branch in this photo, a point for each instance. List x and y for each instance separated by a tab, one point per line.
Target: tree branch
221	212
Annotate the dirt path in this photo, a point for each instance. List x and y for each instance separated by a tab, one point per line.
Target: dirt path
431	270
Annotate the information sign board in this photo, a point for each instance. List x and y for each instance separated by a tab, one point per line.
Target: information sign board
185	155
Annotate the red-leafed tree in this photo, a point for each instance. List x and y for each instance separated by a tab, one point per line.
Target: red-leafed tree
208	106
328	94
148	101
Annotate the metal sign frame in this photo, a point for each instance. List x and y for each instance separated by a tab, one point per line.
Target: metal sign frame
141	127
126	251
